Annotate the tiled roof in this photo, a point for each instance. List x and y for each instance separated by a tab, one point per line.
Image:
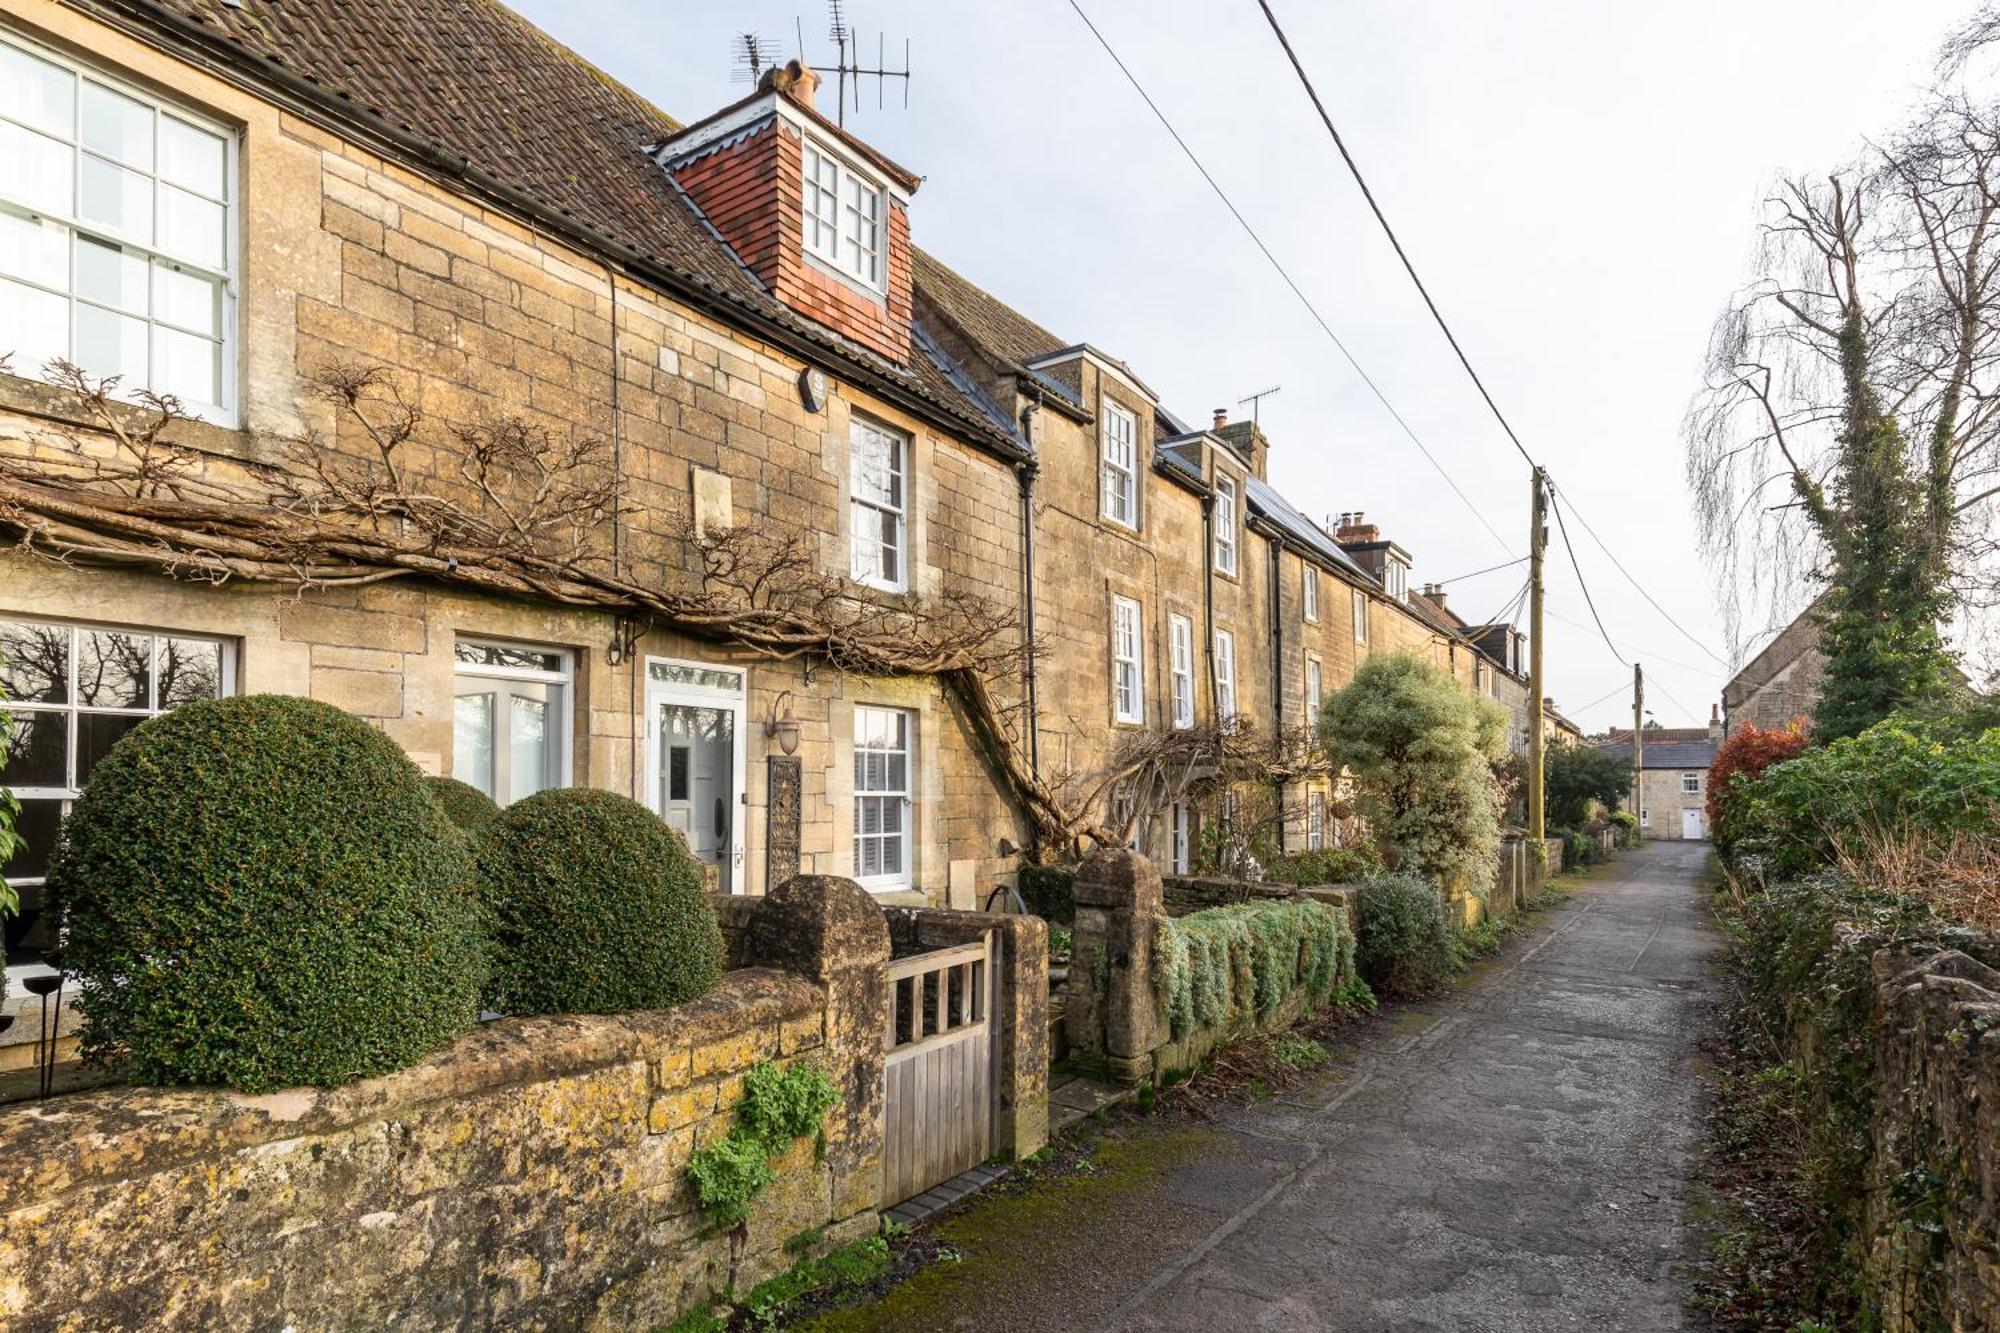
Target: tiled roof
1668	754
475	83
1003	332
1264	499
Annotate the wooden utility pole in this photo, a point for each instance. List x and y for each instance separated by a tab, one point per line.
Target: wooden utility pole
1638	741
1538	540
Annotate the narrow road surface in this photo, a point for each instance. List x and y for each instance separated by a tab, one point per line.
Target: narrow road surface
1512	1156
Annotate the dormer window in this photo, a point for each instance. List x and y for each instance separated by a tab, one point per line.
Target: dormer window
843	211
1396	579
1121	471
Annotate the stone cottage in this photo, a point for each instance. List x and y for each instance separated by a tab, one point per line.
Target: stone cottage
1673	799
408	250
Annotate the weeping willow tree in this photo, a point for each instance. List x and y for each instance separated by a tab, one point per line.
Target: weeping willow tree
1844	450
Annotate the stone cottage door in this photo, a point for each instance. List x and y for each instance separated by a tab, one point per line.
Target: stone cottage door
1691	824
695	762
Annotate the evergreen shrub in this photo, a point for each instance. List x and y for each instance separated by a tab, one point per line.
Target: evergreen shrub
594	905
463	804
255	891
1327	865
1049	891
1404	944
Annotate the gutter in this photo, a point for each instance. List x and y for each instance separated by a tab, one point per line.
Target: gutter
229	61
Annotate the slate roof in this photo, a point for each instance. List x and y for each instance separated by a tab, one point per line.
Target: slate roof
1668	754
1003	332
483	91
1265	500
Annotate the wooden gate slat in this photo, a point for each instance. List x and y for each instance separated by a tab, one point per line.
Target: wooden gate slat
938	1085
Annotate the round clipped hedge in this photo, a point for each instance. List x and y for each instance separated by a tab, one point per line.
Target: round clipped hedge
463	804
1403	945
594	906
256	891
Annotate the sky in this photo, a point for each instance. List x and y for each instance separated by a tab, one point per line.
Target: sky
1577	183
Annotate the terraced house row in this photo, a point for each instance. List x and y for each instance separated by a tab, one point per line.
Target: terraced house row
421	256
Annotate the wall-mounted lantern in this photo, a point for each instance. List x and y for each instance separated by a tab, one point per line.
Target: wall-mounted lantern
783	726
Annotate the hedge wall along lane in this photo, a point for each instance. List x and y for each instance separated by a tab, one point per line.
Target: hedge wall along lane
595	906
259	892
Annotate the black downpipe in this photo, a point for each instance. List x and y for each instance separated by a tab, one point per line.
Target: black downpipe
1277	677
1208	602
1026	476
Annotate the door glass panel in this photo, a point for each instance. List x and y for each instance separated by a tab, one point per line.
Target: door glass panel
528	746
677	773
472	740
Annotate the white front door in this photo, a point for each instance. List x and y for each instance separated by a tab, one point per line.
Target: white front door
1691	824
695	762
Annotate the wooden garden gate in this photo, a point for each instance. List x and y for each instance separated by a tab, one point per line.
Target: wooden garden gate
938	1103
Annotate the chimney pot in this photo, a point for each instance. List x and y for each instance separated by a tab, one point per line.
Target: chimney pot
793	79
1221	417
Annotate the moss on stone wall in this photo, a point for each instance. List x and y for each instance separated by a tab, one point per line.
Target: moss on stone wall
1242	962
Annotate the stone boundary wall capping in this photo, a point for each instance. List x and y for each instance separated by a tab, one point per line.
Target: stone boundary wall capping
1936	1133
530	1174
1116	1020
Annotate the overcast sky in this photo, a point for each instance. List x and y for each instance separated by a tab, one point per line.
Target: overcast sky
1578	184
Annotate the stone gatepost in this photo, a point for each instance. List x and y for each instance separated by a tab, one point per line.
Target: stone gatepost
830	931
1113	1015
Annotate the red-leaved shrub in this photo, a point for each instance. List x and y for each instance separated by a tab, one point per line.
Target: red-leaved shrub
1749	751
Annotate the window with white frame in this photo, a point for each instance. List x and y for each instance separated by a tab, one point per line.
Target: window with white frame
1225	524
1180	661
884	771
879	494
1128	685
1309	593
1645	818
510	719
1225	676
1315	820
1120	480
116	248
842	212
1181	855
72	691
1396	578
1313	690
1690	784
1360	616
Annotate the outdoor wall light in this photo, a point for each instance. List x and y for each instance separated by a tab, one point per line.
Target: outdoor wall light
785	727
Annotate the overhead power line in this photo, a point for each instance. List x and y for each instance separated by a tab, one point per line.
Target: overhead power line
1490	569
1283	273
1588	600
1444	326
1409	268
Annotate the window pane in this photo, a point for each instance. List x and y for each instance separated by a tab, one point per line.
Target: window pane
114	670
117	126
190	227
528	744
96	733
37	325
186	366
110	344
512	656
37	824
39	170
472	740
107	273
875	467
190	669
34	662
116	197
187	299
35	249
191	157
37	92
37	753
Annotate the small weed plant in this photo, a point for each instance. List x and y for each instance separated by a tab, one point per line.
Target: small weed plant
779	1107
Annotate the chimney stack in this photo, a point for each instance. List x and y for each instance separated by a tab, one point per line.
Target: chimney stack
1353	528
1221	418
793	79
1434	592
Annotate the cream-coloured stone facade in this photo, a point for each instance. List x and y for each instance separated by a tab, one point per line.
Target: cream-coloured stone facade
354	255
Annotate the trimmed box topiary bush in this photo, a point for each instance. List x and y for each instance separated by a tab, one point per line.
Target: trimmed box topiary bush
463	804
594	906
1326	865
1403	944
255	891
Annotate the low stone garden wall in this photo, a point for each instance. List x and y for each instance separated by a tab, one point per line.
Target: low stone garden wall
1128	1015
1182	895
531	1173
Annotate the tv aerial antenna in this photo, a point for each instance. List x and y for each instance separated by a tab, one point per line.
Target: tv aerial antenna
1256	400
751	53
847	71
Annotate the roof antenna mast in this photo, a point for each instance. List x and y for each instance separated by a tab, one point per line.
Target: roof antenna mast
1256	400
847	69
751	53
